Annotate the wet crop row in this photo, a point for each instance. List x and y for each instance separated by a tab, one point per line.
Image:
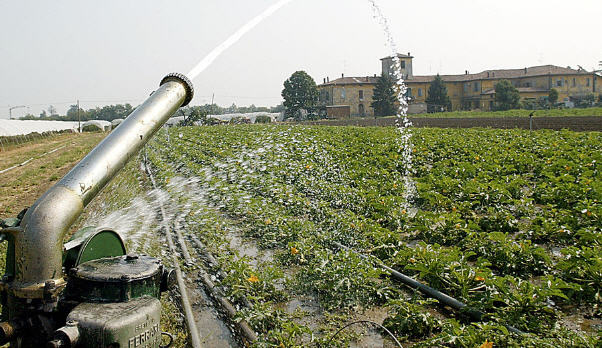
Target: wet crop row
507	221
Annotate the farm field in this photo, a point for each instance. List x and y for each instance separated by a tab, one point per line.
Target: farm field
506	221
51	158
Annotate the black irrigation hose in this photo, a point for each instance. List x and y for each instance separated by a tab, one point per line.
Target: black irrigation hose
188	315
364	322
226	305
244	327
447	300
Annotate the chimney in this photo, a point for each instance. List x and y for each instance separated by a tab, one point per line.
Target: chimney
342	75
409	55
324	80
327	79
374	75
466	72
525	71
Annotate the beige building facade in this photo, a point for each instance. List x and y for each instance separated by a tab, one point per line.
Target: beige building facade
466	91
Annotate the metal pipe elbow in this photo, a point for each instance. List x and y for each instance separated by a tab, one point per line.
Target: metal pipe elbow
39	246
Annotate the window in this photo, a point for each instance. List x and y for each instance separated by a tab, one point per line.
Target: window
343	94
361	95
587	82
466	87
574	82
362	110
409	93
403	64
420	92
476	87
559	83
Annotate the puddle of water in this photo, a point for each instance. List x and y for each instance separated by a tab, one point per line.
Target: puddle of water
213	331
248	248
371	337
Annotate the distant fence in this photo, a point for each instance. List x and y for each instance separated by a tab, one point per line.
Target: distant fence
574	123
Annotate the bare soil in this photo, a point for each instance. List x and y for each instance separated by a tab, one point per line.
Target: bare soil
21	186
574	123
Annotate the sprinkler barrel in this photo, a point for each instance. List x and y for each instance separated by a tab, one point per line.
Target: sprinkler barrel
34	276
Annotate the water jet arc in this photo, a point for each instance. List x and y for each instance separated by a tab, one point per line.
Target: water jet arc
213	55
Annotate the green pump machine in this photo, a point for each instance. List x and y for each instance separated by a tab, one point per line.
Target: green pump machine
88	292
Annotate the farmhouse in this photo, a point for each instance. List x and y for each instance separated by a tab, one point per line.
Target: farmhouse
466	91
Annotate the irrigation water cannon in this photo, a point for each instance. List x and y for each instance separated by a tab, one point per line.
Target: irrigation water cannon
88	292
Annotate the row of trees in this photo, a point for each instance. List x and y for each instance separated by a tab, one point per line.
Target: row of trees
107	113
112	112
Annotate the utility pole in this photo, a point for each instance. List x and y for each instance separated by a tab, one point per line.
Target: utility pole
79	121
10	110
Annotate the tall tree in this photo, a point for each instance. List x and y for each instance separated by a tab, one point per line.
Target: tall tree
300	93
192	115
72	113
437	99
385	96
553	97
506	96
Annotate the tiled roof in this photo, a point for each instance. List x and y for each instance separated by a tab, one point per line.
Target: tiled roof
352	81
400	55
504	74
542	70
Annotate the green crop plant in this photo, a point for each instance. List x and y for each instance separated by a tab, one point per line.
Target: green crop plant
498	213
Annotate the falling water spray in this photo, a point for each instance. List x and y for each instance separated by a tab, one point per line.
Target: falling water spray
402	122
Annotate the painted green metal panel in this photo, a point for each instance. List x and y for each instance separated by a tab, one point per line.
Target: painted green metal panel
103	244
91	244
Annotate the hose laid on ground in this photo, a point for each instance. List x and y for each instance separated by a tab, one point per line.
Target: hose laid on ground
243	326
31	159
447	300
226	305
190	321
183	246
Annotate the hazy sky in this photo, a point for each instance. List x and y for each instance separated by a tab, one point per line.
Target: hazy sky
115	51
